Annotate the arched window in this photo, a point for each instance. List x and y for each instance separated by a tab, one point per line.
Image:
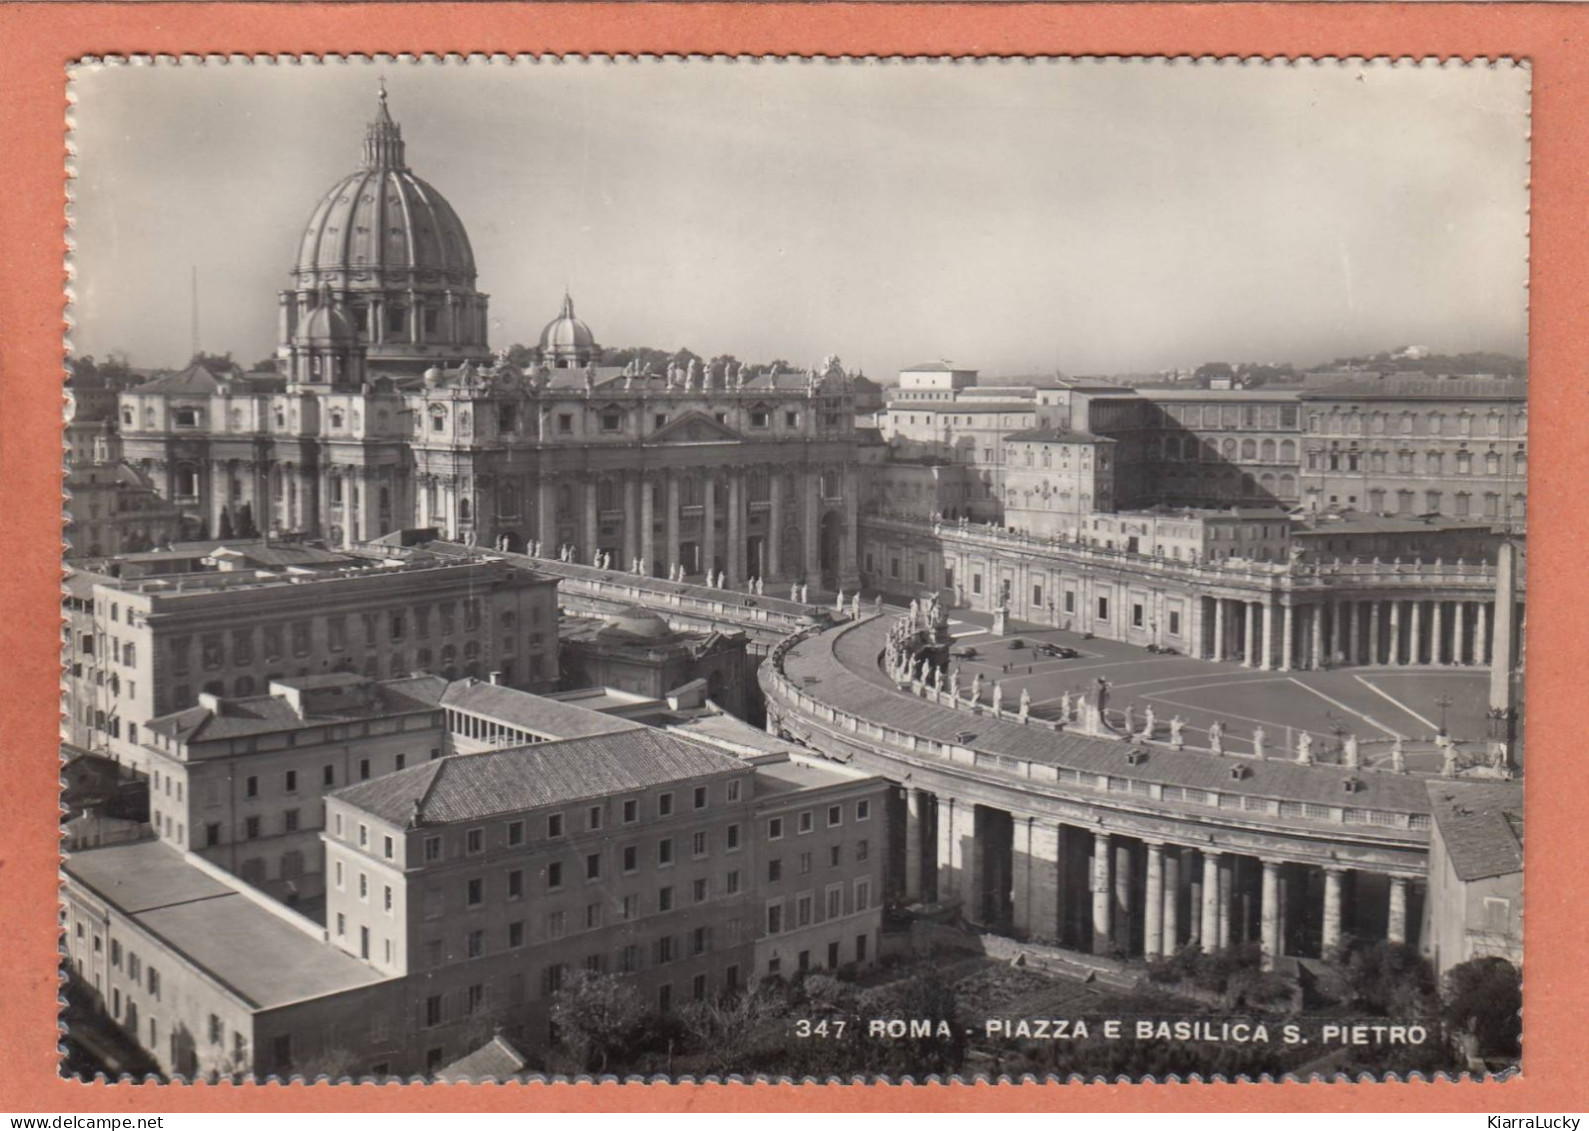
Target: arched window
464	509
1288	451
126	417
1288	486
1249	449
337	418
187	486
1267	451
1229	448
438	418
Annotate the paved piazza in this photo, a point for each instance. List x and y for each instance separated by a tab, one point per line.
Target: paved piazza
1375	703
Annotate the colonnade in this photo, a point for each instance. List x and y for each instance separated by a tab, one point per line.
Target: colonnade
1116	893
1277	635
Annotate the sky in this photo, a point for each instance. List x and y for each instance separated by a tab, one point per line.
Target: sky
1019	217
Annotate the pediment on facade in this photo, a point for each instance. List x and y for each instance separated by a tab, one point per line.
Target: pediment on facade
693	428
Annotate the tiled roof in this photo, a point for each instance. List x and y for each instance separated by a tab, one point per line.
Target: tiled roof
473	786
194	379
264	714
937	367
1481	825
1058	436
843	671
1417	386
494	1060
532	712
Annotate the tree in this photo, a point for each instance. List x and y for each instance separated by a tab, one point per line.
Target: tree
214	362
1484	997
596	1015
225	532
735	1029
521	355
1388	979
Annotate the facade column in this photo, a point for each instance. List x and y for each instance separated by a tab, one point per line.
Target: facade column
813	537
631	519
915	801
1153	904
671	517
1437	631
1288	640
545	518
774	525
1250	659
1459	635
1271	914
1415	633
1267	644
592	524
1172	901
1481	642
1219	627
1396	927
708	543
648	522
1346	613
1316	618
1332	911
1208	929
1395	632
968	860
1227	883
737	572
1101	900
1373	633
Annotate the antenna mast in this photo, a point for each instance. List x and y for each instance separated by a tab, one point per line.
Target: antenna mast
195	292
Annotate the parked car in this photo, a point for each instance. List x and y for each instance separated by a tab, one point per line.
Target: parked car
1162	650
1057	651
966	653
1017	642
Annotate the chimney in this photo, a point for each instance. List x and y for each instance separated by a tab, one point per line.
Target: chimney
496	677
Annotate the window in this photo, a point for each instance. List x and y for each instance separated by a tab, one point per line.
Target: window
593	866
774	918
364	836
665	899
804	823
664	954
774	871
835	815
554	825
733	786
432	849
698	845
556	925
631	908
388	848
863	810
1103	608
775	829
475	841
863	894
475	892
835	855
251	787
565	422
665	805
289	820
700	890
631	811
805	863
364	769
476	943
592	916
516	884
433	1013
515	934
251	828
631	859
386	898
803	910
665	852
731	882
835	906
700	797
593	818
328	775
731	838
862	849
554	875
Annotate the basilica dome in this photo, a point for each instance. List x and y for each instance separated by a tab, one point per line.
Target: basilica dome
567	341
396	259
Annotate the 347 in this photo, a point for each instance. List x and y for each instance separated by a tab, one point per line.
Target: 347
825	1029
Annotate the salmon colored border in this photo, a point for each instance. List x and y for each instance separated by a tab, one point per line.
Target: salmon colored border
36	42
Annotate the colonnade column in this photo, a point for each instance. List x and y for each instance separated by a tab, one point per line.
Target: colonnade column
736	532
1172	900
1346	615
1396	927
914	804
1153	903
545	517
1248	660
706	548
1332	911
1316	620
1226	883
948	855
1481	642
1101	895
1373	632
1395	632
1271	913
968	860
1437	631
1287	636
1122	897
671	517
1037	896
774	525
1459	653
1208	930
1219	628
1266	645
1415	634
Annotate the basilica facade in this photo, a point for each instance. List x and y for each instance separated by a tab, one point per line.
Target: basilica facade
388	411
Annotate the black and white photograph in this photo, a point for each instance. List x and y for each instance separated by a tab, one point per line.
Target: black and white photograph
708	567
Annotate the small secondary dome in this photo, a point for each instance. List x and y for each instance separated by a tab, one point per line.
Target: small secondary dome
326	325
567	342
641	622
